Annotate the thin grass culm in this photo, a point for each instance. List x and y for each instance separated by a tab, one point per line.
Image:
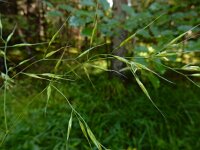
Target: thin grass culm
6	76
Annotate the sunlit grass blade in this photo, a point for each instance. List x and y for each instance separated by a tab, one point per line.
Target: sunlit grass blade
191	68
24	61
88	50
146	93
93	138
165	54
2	53
33	75
88	76
122	59
93	31
142	86
56	34
77	114
128	39
69	125
108	70
195	75
48	97
84	131
179	73
134	34
140	66
11	34
48	92
27	44
176	39
6	77
99	67
53	52
95	26
59	62
53	76
180	36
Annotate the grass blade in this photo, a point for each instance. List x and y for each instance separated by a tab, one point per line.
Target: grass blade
83	130
165	54
191	68
134	34
88	76
95	26
27	44
93	138
52	52
54	76
93	31
59	62
24	61
146	93
128	39
180	36
33	75
88	50
56	34
48	92
2	53
140	66
48	97
142	86
69	125
196	84
11	34
195	75
121	59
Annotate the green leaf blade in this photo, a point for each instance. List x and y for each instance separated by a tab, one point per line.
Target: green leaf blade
48	97
83	129
147	94
93	138
11	34
48	92
33	75
69	126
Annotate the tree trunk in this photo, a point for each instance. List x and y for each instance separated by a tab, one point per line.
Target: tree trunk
120	36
